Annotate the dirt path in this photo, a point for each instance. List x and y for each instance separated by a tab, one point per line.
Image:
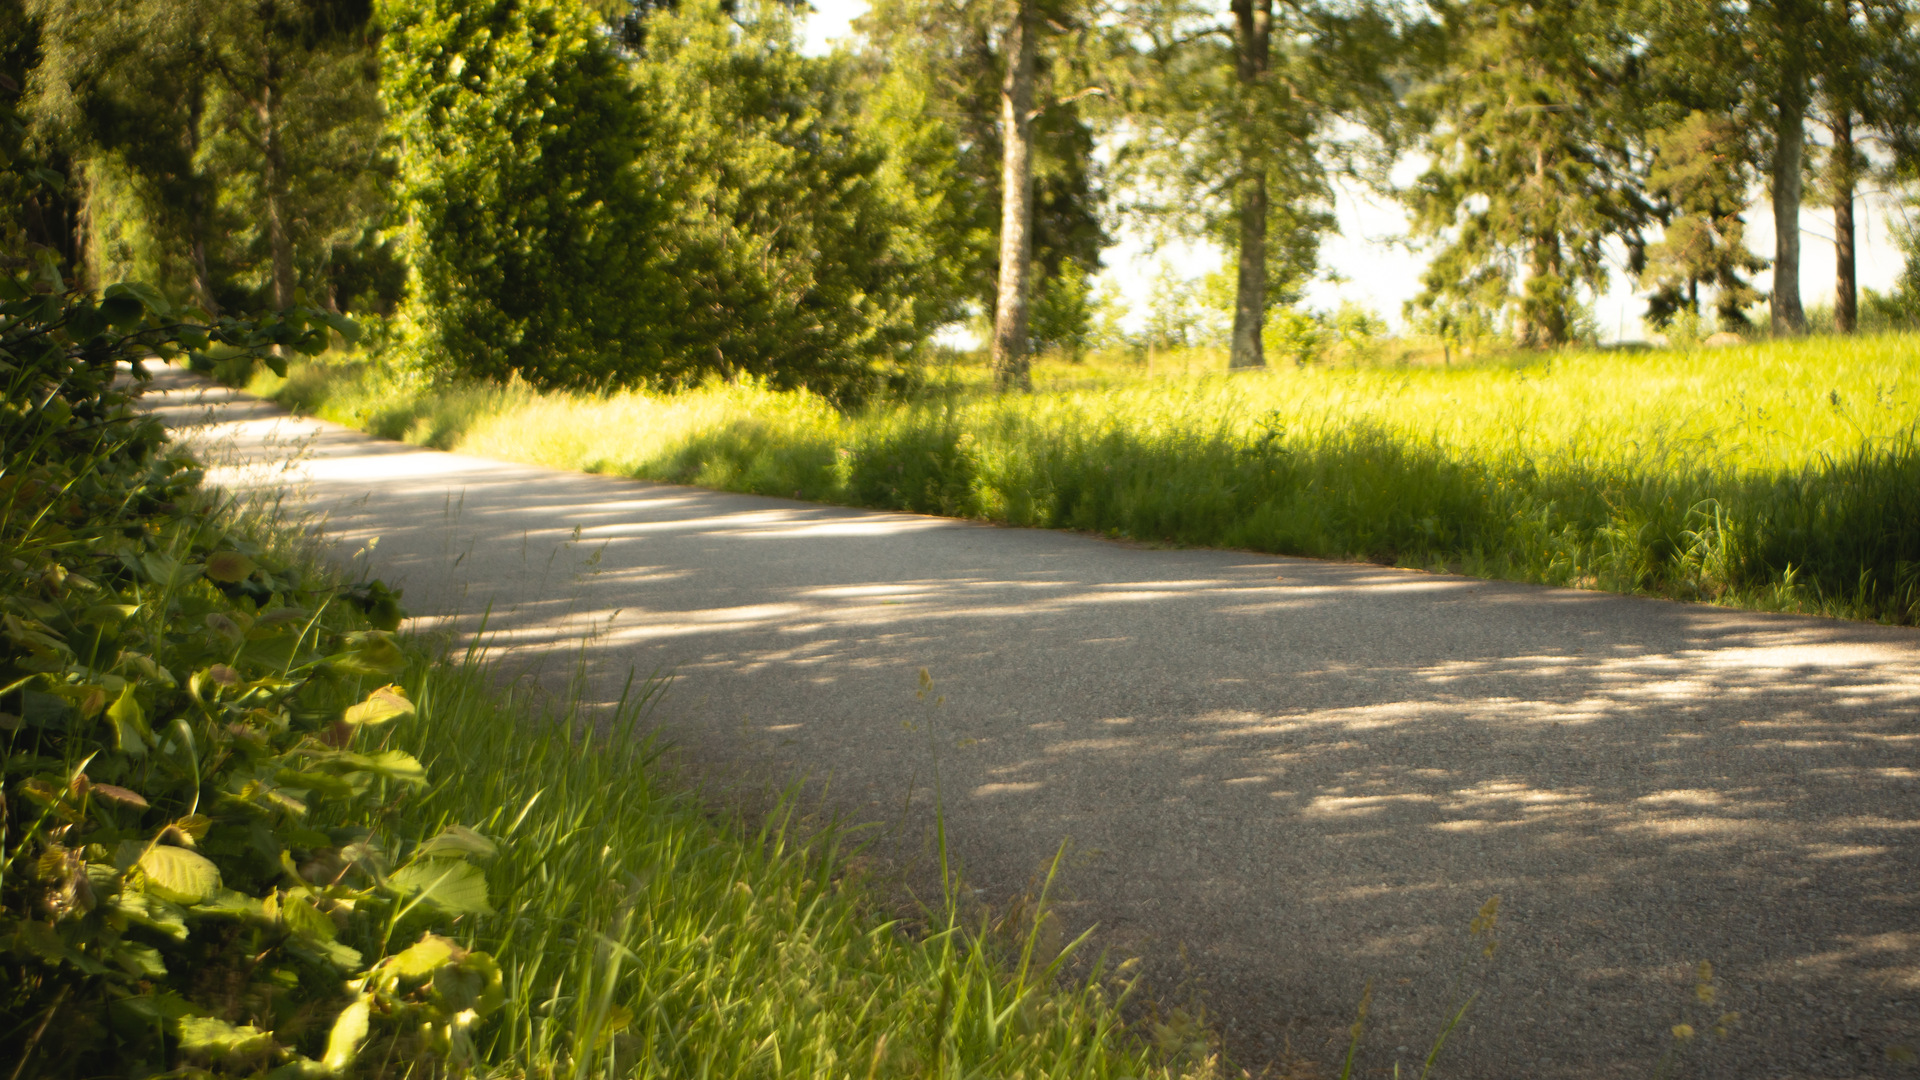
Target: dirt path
1298	776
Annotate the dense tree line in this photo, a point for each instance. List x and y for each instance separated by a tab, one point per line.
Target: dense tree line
603	192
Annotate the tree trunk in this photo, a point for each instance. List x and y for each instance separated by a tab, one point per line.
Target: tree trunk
199	216
1010	360
1846	293
1789	154
1253	24
273	177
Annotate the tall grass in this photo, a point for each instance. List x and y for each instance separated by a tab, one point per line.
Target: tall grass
1780	475
640	936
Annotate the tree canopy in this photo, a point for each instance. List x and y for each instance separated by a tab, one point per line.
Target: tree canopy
597	193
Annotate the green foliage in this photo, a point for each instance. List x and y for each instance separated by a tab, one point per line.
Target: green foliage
1700	170
227	150
533	240
189	880
1064	307
1530	172
795	255
937	66
1201	129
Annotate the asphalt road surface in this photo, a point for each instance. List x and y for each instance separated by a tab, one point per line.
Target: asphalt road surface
1281	779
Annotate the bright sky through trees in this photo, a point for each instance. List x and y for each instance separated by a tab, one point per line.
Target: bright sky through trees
1383	274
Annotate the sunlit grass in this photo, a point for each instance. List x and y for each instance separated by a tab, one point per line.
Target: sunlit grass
639	935
1776	475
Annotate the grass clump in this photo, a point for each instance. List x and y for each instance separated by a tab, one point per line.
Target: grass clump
1782	475
639	935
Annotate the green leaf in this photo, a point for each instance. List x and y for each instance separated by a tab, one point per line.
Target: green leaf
457	841
152	912
228	567
370	652
453	886
108	615
381	706
399	765
419	959
158	568
149	297
179	875
209	1037
327	952
306	920
343	1042
227	902
130	732
140	961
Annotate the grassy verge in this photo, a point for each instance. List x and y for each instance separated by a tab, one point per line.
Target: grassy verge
638	936
1781	475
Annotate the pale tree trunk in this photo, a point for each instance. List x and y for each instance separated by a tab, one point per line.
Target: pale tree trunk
199	213
1789	155
1253	23
1010	359
1846	291
273	176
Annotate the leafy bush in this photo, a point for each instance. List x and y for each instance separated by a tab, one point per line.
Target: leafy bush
531	237
192	877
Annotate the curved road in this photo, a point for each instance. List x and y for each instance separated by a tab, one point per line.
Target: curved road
1282	779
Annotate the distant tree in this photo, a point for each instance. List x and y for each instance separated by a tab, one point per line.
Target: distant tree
1868	90
244	132
1063	309
1700	173
1232	133
1531	169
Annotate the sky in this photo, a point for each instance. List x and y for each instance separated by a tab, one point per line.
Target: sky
1369	262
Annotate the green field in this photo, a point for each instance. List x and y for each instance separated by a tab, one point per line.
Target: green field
1778	475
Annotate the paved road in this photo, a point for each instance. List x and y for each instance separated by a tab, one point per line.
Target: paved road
1281	778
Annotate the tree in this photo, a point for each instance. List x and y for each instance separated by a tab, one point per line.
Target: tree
1866	92
1233	140
1531	162
796	239
1700	172
1016	199
967	58
222	147
532	239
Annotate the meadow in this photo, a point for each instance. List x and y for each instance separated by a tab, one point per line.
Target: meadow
1779	475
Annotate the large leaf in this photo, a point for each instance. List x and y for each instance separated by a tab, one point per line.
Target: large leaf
228	567
209	1037
151	911
457	841
419	959
381	706
179	875
370	652
343	1042
129	723
454	886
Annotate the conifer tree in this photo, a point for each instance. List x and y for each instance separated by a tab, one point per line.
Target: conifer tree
1700	172
1531	163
